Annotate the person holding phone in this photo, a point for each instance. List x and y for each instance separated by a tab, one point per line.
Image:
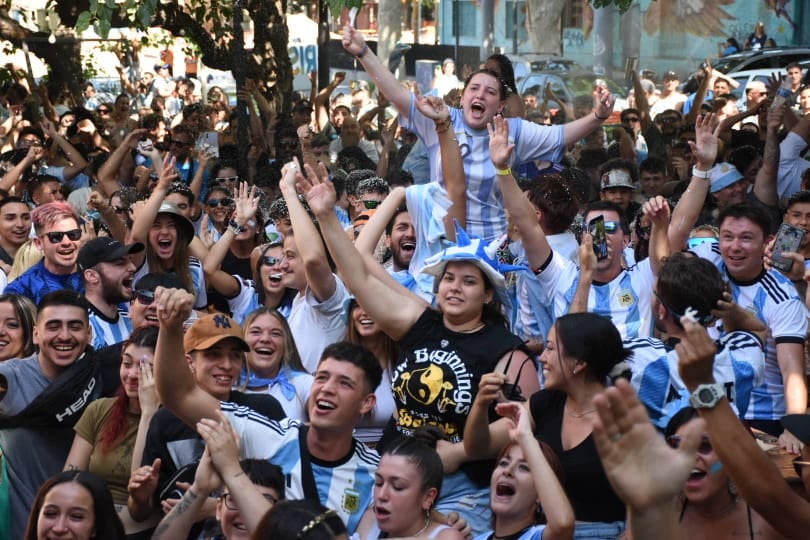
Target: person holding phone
625	295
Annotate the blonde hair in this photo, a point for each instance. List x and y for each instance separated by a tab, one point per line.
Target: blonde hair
27	256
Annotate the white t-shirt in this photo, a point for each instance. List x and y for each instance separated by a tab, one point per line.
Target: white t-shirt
315	325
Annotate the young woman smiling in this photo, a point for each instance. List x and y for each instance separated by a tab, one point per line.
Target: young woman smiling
111	433
451	347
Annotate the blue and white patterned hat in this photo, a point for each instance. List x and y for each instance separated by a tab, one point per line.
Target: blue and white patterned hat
473	250
724	175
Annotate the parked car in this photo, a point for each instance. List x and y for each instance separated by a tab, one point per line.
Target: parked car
762	59
567	86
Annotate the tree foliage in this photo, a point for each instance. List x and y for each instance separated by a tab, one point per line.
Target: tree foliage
621	5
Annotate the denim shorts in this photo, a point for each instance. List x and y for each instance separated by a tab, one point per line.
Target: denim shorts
460	495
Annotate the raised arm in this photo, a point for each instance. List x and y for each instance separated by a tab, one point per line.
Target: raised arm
758	480
452	165
12	176
689	206
320	278
173	379
657	209
376	297
77	161
220	441
144	218
355	44
700	95
519	207
553	500
633	455
108	172
578	129
587	269
642	105
321	101
765	188
246	206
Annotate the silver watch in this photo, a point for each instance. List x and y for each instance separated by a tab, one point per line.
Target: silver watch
707	396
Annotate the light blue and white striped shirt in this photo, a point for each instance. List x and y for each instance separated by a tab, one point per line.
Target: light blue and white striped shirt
486	217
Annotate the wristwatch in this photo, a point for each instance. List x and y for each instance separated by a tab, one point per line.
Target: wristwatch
707	396
236	227
706	175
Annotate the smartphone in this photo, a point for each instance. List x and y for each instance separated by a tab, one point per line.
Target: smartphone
208	141
597	229
789	238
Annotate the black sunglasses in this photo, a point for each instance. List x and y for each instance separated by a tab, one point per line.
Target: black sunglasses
56	237
120	209
144	297
213	203
632	119
269	260
103	111
371	205
179	143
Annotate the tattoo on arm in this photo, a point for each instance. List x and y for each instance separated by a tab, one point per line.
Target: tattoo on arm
181	508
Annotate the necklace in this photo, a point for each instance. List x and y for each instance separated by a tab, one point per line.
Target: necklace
427	524
579	415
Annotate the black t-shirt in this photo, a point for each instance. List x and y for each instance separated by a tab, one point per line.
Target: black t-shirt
437	381
234	266
584	480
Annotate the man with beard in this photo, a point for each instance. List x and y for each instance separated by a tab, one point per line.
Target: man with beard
107	271
41	398
57	236
15	228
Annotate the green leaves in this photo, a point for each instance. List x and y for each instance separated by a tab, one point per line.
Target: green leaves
83	22
336	6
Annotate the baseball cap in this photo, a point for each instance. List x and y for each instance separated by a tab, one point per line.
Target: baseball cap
342	101
723	175
209	330
617	178
162	66
105	249
671	76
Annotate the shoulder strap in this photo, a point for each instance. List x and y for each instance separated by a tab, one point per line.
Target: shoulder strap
307	478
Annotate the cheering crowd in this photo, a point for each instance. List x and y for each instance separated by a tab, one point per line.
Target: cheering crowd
463	314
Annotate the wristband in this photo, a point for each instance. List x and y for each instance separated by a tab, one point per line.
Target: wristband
442	125
503	172
600	118
362	53
236	228
697	173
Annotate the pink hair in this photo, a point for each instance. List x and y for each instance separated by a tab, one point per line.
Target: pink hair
50	213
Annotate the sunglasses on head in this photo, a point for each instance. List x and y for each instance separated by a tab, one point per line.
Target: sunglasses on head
213	203
695	242
144	297
56	237
704	448
371	205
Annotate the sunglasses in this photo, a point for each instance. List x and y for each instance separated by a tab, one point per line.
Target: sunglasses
56	237
103	111
371	205
633	119
120	209
611	227
213	203
667	120
144	297
269	260
227	179
704	448
179	143
695	242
